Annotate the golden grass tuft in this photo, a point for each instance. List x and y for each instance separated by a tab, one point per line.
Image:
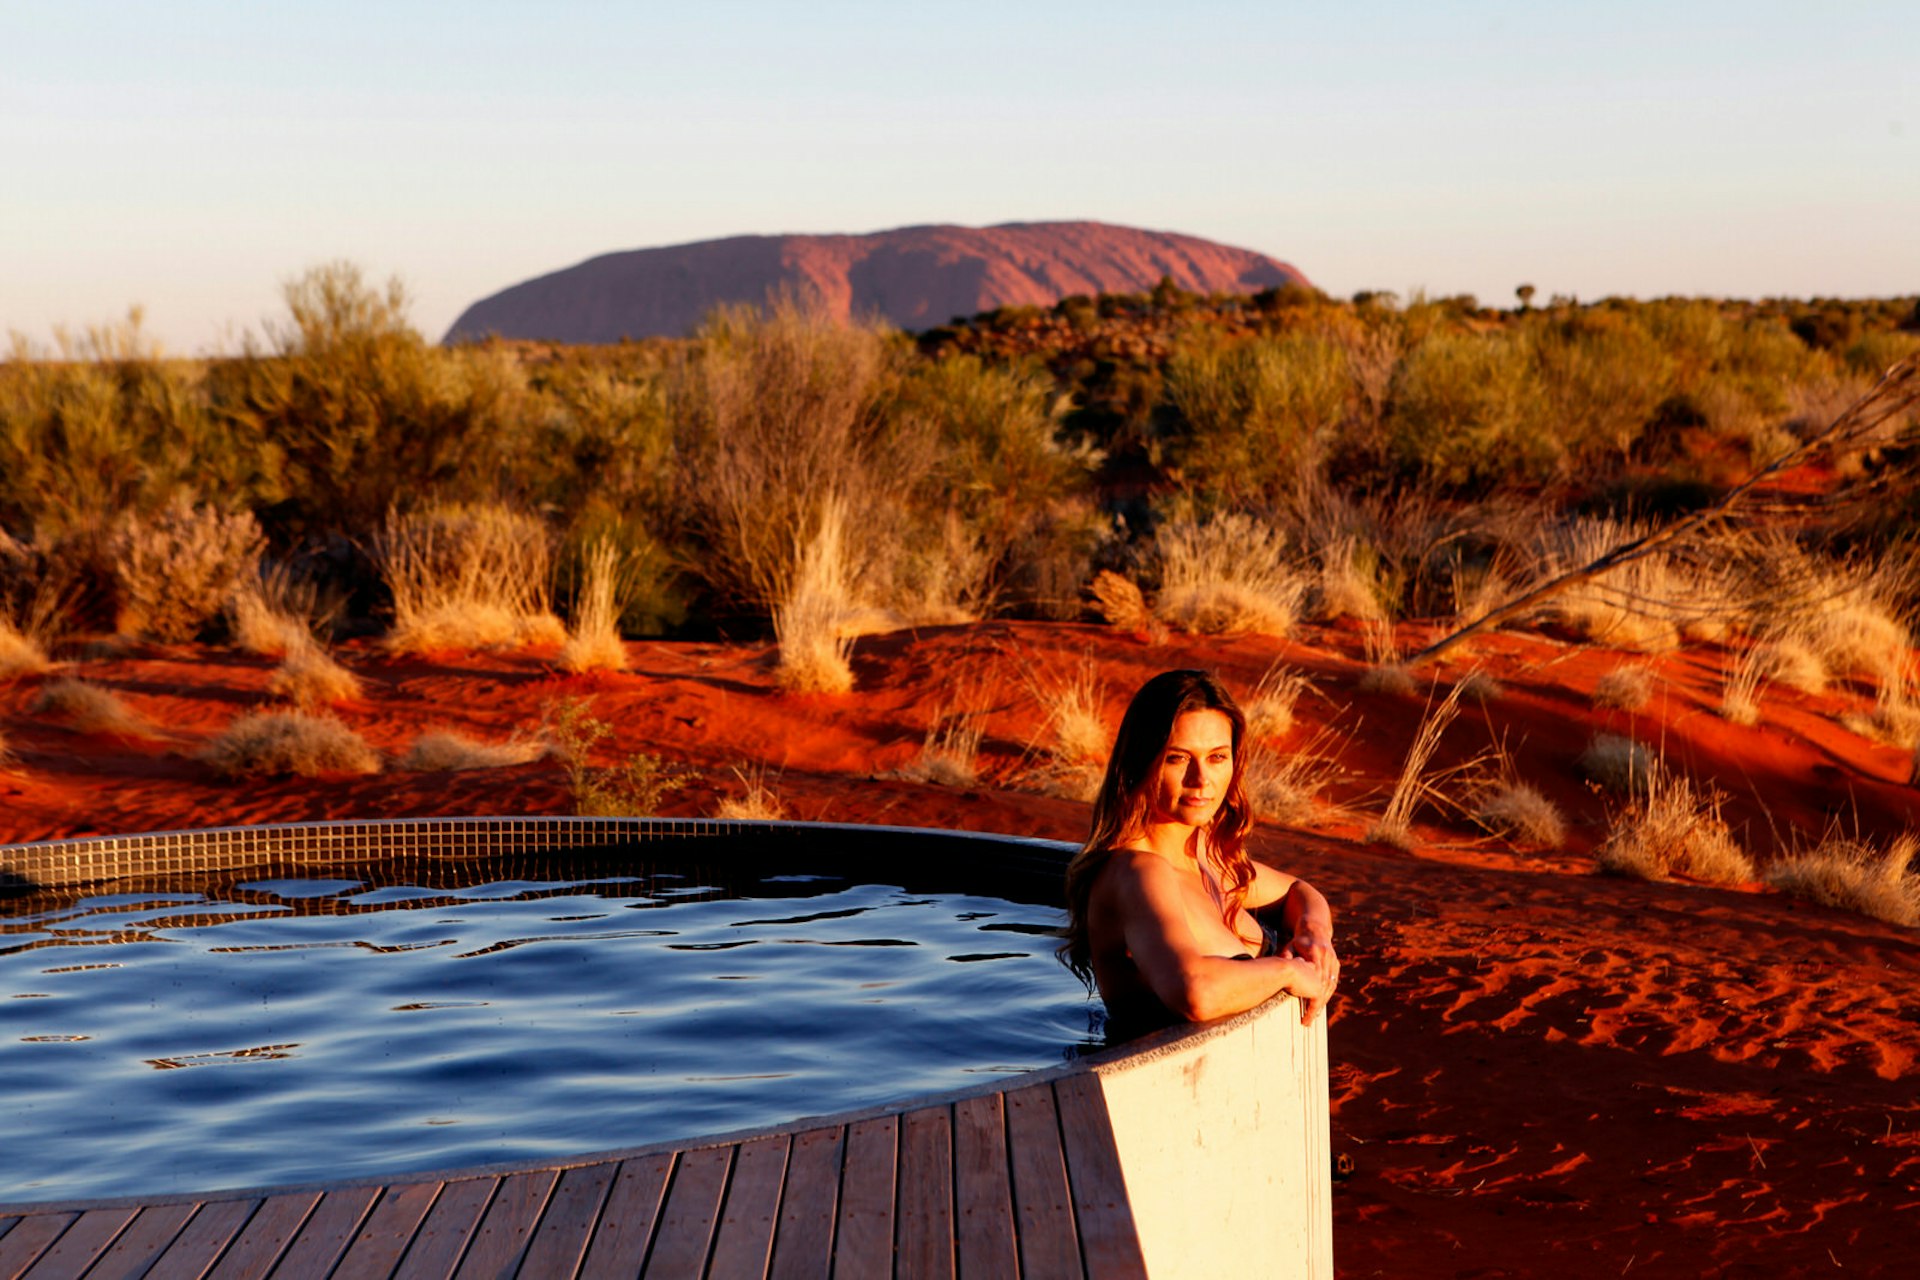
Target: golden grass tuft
758	801
1507	806
1893	720
21	654
809	618
1289	787
1624	688
310	678
1740	688
1395	826
467	577
88	708
1227	576
1855	876
289	742
593	642
950	754
1787	661
444	751
1270	707
1672	829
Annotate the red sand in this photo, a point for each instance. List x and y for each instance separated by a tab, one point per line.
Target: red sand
1537	1070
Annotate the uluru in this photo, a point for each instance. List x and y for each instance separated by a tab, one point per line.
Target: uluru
912	277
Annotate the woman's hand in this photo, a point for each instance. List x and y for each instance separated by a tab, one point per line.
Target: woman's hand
1314	949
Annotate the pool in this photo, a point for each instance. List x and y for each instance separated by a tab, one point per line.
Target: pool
290	1023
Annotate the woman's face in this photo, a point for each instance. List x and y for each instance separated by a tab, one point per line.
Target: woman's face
1194	769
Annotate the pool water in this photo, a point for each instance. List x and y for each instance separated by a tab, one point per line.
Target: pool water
280	1031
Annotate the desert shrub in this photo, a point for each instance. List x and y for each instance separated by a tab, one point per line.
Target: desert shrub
1619	764
759	798
1875	351
1003	485
88	708
466	578
1507	806
1346	583
1643	605
1893	719
779	413
310	678
364	414
1671	830
810	618
632	787
1855	876
444	751
1602	375
104	424
1226	575
1120	601
178	568
1260	412
282	742
1464	411
593	635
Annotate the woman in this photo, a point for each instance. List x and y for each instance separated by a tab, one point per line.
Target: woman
1159	897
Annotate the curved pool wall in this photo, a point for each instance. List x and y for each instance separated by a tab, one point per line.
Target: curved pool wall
1220	1129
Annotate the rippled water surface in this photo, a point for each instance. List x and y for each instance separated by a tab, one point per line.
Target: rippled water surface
298	1030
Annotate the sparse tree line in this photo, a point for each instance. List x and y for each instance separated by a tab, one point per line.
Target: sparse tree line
992	467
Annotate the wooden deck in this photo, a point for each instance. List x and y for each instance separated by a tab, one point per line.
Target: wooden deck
1020	1182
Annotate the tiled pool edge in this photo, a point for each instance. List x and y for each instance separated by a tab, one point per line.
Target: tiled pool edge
1221	1130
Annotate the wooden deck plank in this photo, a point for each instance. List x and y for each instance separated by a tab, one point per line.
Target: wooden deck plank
144	1240
80	1244
560	1245
204	1239
923	1218
502	1239
30	1237
1109	1238
327	1232
863	1233
437	1246
258	1248
626	1223
983	1198
803	1245
389	1229
1042	1206
744	1245
686	1222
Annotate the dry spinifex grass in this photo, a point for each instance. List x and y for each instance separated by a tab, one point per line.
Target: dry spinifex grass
467	577
89	708
1395	826
1068	751
282	742
443	750
1854	875
809	616
1673	829
593	639
759	798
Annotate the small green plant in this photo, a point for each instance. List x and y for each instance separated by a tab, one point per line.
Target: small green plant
1619	764
632	788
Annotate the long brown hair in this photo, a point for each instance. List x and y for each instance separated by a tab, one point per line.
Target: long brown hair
1120	810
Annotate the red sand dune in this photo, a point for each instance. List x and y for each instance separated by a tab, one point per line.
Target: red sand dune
1538	1070
912	277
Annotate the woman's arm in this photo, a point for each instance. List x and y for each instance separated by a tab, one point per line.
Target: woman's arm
1188	980
1310	920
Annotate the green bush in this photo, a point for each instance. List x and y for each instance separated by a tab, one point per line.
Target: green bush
1465	409
1260	412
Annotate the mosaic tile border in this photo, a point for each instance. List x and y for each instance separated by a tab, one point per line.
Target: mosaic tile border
99	859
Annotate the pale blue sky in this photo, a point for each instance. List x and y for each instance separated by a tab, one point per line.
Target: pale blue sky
191	156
